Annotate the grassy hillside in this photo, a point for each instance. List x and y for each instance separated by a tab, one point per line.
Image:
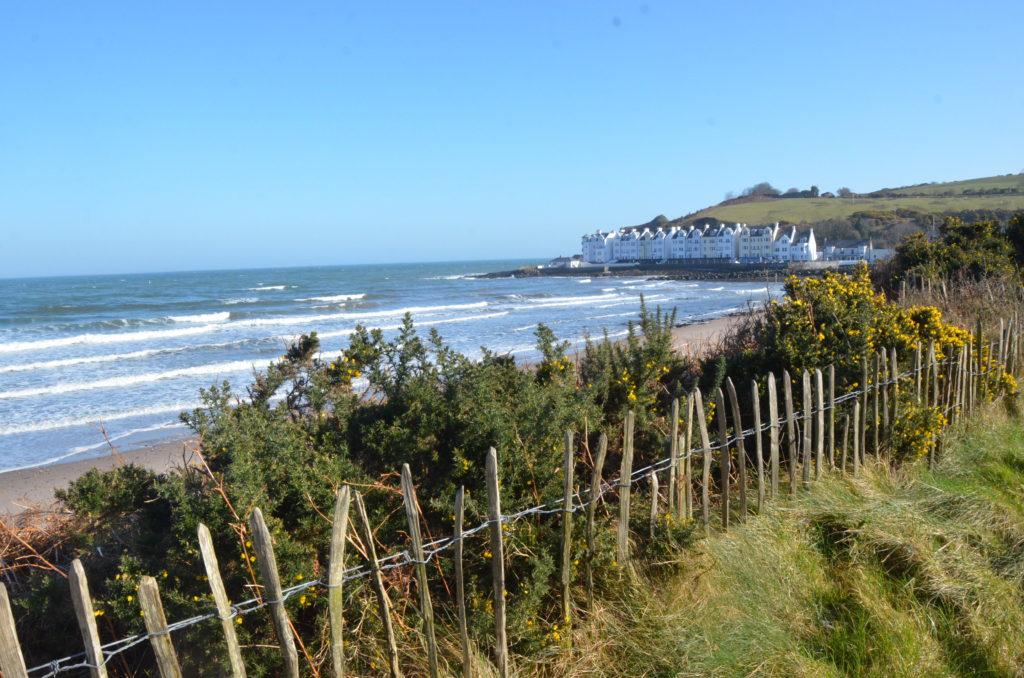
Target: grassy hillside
930	198
892	574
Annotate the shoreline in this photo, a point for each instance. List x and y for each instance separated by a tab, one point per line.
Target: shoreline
29	491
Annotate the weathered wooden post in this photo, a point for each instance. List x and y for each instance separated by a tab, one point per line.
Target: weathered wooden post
858	439
156	628
592	498
497	563
787	394
12	662
652	476
383	604
625	483
673	447
687	495
336	578
863	405
808	424
460	582
895	384
567	510
86	619
773	434
819	390
723	464
272	591
705	441
832	416
884	360
755	400
917	372
741	449
220	598
875	420
412	516
846	440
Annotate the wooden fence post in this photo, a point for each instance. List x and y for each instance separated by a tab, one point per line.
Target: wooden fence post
819	390
723	463
497	562
336	577
787	394
412	516
220	598
86	619
156	628
592	497
687	495
895	384
863	424
832	416
875	420
673	467
755	400
383	604
272	590
773	435
567	510
884	358
846	440
625	485
652	476
702	427
858	439
808	424
12	662
917	372
741	449
460	583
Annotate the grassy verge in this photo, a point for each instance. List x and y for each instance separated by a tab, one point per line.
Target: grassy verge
909	573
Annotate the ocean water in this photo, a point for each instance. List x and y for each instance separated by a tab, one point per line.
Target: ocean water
85	359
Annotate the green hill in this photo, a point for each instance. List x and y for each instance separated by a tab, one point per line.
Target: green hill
989	193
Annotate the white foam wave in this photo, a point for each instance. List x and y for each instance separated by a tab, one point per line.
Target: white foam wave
715	289
108	357
130	380
335	298
268	288
385	313
752	290
112	338
583	281
218	317
607	289
240	300
54	424
457	276
423	323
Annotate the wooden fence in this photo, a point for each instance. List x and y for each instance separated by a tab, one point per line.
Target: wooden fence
956	385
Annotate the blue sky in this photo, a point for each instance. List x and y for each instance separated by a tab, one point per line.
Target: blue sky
137	137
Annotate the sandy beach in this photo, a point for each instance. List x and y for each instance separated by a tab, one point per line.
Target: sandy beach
32	489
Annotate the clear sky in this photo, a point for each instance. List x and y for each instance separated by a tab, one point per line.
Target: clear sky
140	136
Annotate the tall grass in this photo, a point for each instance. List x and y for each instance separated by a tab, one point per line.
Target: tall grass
895	573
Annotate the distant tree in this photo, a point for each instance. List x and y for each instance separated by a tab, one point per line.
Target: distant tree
730	195
792	192
844	192
814	191
762	189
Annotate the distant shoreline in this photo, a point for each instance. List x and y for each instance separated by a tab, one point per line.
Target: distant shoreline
28	492
672	271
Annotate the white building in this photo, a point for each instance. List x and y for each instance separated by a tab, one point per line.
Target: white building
780	249
721	243
677	245
645	245
758	243
598	247
660	245
805	248
626	247
694	246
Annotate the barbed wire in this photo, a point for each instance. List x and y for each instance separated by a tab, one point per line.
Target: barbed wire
431	549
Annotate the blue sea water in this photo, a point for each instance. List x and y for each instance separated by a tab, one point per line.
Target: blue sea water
120	356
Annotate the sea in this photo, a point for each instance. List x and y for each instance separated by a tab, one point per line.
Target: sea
91	362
